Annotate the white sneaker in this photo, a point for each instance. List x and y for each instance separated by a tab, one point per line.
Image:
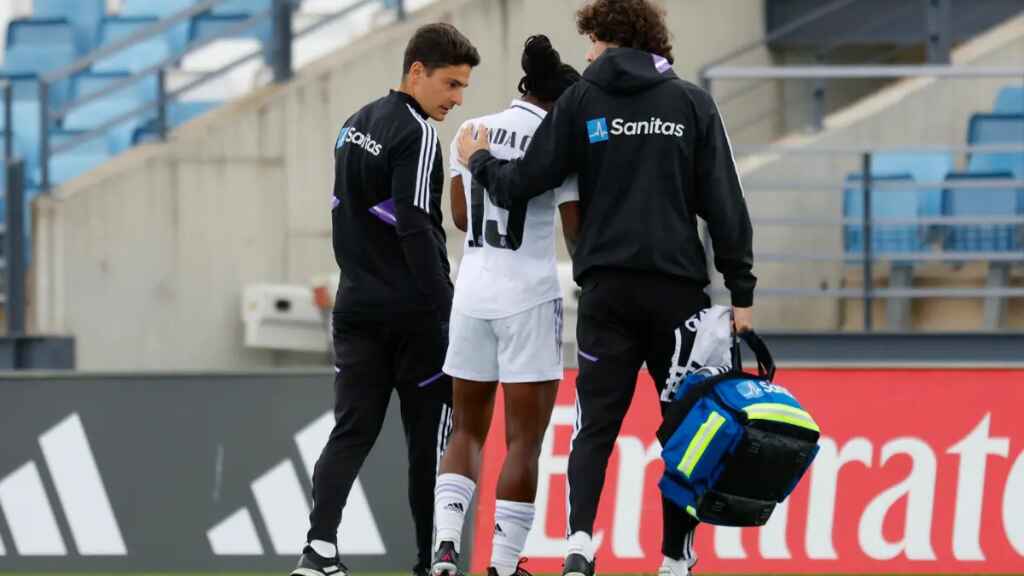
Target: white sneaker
671	567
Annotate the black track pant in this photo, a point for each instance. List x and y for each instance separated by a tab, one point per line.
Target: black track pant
626	318
372	361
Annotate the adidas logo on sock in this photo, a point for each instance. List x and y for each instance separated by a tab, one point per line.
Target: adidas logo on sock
455	507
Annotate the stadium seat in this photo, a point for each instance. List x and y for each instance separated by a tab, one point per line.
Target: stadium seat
995	129
178	113
36	31
37	46
177	36
963	201
91	82
885	204
96	113
84	16
153	50
924	167
25	120
242	6
208	25
1010	100
182	112
78	160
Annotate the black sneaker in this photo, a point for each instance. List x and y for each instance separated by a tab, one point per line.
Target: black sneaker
420	570
313	564
520	571
445	560
577	565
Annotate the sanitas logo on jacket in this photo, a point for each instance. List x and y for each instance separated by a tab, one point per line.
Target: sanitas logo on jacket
357	138
597	128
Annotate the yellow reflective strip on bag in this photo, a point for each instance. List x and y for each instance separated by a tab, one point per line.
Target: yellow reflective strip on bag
700	442
793	416
776	407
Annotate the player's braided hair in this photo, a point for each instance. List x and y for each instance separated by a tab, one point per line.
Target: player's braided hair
546	76
636	24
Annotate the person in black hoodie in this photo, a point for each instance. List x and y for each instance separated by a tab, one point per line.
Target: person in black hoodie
652	154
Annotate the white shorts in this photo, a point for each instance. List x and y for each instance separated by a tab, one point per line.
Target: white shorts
524	347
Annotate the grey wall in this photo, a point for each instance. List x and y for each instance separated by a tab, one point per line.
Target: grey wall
144	259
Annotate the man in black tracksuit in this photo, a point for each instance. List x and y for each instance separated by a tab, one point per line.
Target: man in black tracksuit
652	154
394	299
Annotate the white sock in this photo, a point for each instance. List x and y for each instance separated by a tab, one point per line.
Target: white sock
324	548
512	522
580	543
677	567
452	495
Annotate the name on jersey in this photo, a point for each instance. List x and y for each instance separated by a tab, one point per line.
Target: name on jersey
510	138
597	129
357	138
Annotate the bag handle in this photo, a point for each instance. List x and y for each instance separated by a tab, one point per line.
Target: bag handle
765	363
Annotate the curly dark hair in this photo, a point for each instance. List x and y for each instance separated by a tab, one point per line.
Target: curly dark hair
546	75
636	24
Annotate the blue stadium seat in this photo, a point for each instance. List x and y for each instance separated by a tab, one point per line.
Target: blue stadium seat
207	25
78	160
96	113
177	36
182	112
25	85
962	201
241	6
91	82
25	113
49	31
151	51
1010	100
84	15
924	167
885	204
994	129
38	46
178	113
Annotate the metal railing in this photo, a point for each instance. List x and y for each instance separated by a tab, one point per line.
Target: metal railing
859	161
278	14
12	264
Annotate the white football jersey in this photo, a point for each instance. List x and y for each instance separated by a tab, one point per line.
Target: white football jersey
508	264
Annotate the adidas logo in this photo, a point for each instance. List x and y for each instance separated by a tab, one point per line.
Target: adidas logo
498	531
82	497
455	507
282	505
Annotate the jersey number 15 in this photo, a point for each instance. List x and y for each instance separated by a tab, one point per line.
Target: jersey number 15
490	230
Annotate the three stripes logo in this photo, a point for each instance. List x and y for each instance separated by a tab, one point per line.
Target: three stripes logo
282	505
81	497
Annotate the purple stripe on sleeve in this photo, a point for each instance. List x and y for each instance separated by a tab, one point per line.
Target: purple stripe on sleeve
587	356
385	212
